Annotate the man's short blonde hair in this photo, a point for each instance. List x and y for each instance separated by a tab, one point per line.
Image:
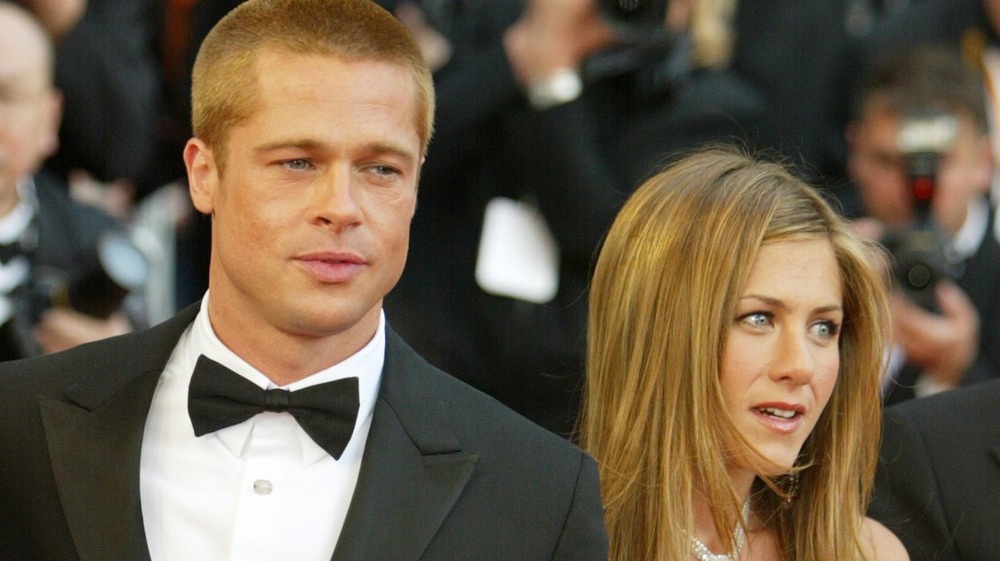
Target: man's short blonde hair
224	81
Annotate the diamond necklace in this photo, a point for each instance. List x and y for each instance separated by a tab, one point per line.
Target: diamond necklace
701	552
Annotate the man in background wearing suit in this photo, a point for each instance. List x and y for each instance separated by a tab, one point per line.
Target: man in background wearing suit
957	343
938	475
47	239
282	418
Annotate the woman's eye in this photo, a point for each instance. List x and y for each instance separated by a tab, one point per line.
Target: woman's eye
757	319
825	329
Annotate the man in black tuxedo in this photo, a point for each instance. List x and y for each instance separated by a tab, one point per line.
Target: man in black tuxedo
938	476
282	418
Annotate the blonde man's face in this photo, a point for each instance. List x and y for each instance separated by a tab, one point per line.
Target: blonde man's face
310	220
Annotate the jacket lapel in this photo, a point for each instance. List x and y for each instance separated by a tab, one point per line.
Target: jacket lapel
412	473
95	440
95	460
413	469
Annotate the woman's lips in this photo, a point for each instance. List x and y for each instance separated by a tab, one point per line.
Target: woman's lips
784	418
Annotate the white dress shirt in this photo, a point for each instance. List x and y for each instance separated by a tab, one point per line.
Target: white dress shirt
259	490
12	228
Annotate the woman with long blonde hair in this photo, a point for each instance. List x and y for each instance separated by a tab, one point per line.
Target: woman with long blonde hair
736	334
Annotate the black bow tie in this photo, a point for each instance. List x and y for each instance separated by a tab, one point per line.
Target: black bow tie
220	398
9	251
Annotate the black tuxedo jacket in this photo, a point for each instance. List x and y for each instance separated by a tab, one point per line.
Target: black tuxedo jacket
938	480
447	472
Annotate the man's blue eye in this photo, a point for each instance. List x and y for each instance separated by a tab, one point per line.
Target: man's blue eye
297	165
384	170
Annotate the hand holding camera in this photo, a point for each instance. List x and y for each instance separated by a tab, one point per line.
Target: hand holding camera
53	311
943	344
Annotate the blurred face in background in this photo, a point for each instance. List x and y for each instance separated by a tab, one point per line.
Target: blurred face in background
992	9
878	168
29	107
678	15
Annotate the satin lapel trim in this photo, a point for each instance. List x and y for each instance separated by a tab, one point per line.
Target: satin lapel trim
413	469
402	496
95	460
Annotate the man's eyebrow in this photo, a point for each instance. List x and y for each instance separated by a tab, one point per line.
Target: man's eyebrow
305	144
315	145
393	150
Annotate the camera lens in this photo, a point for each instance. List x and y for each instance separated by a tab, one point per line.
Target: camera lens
919	276
122	261
636	20
627	6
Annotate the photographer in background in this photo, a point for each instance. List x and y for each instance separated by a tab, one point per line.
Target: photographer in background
42	232
942	344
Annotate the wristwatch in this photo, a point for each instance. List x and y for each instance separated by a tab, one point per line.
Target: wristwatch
562	86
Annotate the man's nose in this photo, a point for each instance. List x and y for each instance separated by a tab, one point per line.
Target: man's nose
334	203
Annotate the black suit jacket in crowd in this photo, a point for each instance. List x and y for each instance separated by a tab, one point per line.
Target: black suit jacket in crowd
447	472
67	238
938	480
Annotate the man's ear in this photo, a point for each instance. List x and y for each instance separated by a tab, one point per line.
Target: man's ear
416	199
851	133
986	165
203	175
51	118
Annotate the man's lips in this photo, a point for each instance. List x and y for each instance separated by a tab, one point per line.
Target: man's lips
332	267
781	417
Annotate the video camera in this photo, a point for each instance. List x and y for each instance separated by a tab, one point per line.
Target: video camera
920	250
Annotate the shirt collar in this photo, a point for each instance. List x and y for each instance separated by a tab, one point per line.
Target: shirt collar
366	365
970	236
14	224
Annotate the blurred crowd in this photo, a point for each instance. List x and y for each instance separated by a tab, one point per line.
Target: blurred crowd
549	114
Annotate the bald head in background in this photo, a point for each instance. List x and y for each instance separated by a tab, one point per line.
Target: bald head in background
29	105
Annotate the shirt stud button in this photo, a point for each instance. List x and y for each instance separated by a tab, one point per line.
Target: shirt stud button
262	487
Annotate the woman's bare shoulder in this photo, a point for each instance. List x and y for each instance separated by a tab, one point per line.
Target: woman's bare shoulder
880	543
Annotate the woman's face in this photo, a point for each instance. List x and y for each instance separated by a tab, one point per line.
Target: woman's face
781	356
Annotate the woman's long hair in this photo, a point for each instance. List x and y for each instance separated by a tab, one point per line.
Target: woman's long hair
661	303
